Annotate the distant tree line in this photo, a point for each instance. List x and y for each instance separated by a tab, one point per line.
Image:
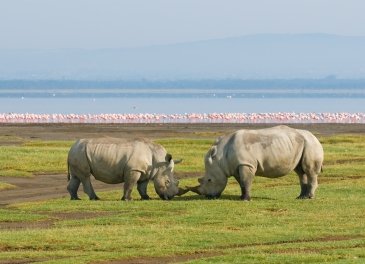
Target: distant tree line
325	83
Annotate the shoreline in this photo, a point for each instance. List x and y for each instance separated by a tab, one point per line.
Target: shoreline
207	118
10	132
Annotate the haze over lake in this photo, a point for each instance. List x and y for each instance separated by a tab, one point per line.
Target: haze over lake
182	56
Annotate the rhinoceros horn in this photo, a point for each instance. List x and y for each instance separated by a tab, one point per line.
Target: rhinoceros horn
182	191
194	189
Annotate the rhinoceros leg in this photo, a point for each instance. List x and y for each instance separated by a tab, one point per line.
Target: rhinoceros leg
73	187
130	179
245	179
308	183
142	189
88	189
312	183
303	180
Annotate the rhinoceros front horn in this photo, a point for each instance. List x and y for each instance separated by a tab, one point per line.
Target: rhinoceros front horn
182	191
195	189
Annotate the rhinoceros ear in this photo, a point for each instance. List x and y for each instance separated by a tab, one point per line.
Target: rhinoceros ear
178	161
168	157
171	165
213	152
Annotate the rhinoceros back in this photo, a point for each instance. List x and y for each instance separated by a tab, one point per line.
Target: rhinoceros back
108	159
273	152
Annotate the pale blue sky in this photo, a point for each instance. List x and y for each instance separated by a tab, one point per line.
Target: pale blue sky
95	24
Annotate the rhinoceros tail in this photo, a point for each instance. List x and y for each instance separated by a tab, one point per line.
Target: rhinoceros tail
68	172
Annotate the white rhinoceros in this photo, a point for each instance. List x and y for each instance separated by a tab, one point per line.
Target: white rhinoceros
113	160
270	152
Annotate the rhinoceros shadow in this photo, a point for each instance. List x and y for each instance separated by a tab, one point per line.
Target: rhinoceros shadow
223	197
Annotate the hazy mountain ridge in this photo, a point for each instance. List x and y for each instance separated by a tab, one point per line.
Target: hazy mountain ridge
267	56
330	82
228	88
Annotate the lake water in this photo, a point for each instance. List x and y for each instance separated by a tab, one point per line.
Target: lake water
179	105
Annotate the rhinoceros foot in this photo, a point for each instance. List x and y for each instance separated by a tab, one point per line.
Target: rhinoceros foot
245	198
145	197
302	197
96	198
126	199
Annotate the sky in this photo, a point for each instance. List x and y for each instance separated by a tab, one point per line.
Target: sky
98	24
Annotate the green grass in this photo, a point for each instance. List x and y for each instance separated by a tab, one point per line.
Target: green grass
344	155
7	215
6	186
273	228
39	157
34	157
192	151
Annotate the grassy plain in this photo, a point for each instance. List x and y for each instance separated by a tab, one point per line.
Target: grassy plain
273	228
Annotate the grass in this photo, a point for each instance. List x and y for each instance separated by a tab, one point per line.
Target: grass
273	228
39	157
6	186
192	151
7	215
34	157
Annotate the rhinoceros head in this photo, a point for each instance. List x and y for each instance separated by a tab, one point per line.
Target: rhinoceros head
166	185
214	180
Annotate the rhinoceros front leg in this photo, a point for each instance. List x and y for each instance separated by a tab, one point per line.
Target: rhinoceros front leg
142	189
245	179
130	180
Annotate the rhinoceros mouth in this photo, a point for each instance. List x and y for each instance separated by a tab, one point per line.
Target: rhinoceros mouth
165	197
213	196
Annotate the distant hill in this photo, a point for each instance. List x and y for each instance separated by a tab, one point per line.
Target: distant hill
206	88
268	56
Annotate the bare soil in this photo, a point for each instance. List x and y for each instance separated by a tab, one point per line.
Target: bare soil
41	187
75	131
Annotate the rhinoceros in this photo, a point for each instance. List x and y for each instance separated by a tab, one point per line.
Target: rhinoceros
270	152
113	160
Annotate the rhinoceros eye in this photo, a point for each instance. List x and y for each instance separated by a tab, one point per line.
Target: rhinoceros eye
167	182
209	180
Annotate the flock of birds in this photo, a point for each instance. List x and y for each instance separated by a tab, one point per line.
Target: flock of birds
185	118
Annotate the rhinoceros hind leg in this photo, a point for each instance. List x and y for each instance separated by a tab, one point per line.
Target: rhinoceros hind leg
308	183
303	180
245	179
89	190
312	184
73	187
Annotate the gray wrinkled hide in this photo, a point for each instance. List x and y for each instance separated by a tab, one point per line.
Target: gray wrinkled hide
271	152
113	161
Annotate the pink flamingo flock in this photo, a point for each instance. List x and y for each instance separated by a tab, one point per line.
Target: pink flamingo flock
185	118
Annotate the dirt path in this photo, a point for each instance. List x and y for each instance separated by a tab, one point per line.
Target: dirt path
42	187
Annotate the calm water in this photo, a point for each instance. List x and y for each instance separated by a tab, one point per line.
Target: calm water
179	105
